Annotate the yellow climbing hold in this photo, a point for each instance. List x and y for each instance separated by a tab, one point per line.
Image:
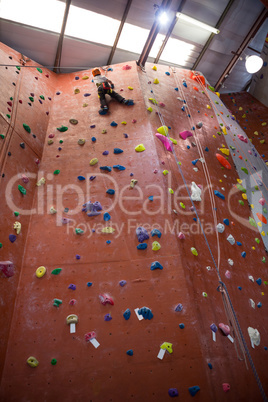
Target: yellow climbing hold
17	227
156	246
253	248
244	116
167	346
41	181
165	172
239	181
240	108
194	251
153	101
32	361
225	151
85	104
86	77
262	141
259	224
52	210
171	191
214	136
156	81
220	180
256	133
182	205
140	148
218	94
263	124
252	206
263	233
130	88
40	272
244	196
174	141
208	107
108	229
224	130
150	109
163	130
77	91
123	122
154	68
93	161
133	183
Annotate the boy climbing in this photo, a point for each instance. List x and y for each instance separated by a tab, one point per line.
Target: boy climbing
105	86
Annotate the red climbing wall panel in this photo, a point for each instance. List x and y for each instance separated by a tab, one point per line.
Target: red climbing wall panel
39	329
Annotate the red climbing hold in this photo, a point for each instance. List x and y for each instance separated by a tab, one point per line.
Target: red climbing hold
261	218
7	268
223	161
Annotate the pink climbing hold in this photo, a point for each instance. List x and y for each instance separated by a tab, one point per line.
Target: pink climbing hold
242	138
181	236
126	67
134	121
162	104
24	178
51	136
226	387
262	201
225	329
166	141
7	268
104	299
228	274
89	336
186	134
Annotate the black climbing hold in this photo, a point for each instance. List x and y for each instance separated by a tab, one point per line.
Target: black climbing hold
9	153
22	145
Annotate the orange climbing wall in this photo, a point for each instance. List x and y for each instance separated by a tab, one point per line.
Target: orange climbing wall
39	329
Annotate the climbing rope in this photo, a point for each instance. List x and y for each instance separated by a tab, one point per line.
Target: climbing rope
228	306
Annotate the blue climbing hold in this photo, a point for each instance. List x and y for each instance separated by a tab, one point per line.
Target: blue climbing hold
107	168
106	216
259	281
156	232
167	73
93	139
210	366
130	352
110	191
194	390
179	307
183	108
125	135
259	305
156	265
181	326
89	284
206	149
151	198
176	89
243	254
107	317
110	69
218	194
92	178
119	167
195	162
105	153
226	222
81	178
113	124
118	151
122	283
127	314
184	84
239	288
12	238
188	147
142	246
76	78
108	241
146	313
87	94
72	286
239	243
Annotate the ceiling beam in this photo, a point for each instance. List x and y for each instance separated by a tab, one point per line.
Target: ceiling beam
152	34
56	68
217	26
169	32
119	32
254	29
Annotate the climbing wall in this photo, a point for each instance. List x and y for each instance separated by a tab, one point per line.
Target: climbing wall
140	274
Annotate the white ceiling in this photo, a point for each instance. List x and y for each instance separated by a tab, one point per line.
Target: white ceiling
41	45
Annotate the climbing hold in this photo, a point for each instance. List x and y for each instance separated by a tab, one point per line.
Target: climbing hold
73	121
72	286
243	254
226	387
166	141
81	178
22	189
56	271
218	194
122	283
231	240
225	329
106	168
179	307
119	167
165	172
163	130
106	216
110	191
105	298
107	317
27	128
156	265
193	390
127	314
255	336
194	251
185	134
156	232
199	124
107	230
156	246
40	272
12	238
156	81
225	151
220	228
93	161
140	148
92	209
62	129
118	151
244	170
167	346
142	246
79	231
129	352
181	326
17	227
181	236
146	313
113	124
259	281
32	361
93	139
142	234
261	218
7	268
57	302
195	192
223	161
56	172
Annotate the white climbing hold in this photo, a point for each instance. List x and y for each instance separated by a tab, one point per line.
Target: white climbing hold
250	277
196	192
220	227
230	262
255	336
252	303
231	239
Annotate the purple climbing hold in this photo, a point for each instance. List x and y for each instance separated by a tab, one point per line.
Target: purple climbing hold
93	126
72	286
87	94
122	283
214	327
12	238
179	307
77	256
125	135
107	317
142	234
105	153
92	209
92	178
173	392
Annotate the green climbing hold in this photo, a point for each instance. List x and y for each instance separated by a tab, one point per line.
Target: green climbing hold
16	213
22	189
257	240
233	148
18	67
62	129
53	362
182	205
252	222
211	88
218	132
42	97
79	231
256	188
2	136
244	170
39	69
60	141
31	98
241	202
11	98
27	128
264	210
241	188
57	171
263	259
1	245
8	115
56	271
194	251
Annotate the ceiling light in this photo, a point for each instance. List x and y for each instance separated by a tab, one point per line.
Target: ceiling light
163	18
197	23
253	64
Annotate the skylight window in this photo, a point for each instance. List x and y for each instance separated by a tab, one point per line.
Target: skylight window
132	38
177	52
93	27
40	14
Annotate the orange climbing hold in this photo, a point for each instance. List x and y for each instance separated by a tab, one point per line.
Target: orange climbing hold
240	157
195	88
261	218
223	161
